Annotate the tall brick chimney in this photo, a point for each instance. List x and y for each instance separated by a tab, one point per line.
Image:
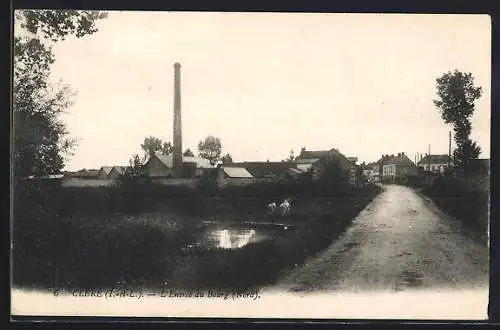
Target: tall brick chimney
177	137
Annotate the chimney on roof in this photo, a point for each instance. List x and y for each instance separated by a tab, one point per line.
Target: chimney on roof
177	140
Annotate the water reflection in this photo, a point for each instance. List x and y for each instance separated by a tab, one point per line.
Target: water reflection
226	239
236	236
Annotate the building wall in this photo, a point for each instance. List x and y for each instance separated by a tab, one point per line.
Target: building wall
191	183
102	175
353	175
371	175
223	182
113	174
405	170
304	167
435	167
85	182
155	168
389	171
393	171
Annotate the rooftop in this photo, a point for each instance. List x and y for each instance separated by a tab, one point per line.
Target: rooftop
200	162
397	159
264	169
236	172
435	159
321	154
107	169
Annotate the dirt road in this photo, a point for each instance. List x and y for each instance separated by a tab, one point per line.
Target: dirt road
399	241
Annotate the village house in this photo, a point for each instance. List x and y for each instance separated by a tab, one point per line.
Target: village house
266	171
83	174
435	163
233	176
371	172
117	171
316	160
111	172
104	172
161	166
85	178
397	167
295	173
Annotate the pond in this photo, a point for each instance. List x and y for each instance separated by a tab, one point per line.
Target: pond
236	235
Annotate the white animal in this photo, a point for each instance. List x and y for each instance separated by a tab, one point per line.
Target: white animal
285	206
272	206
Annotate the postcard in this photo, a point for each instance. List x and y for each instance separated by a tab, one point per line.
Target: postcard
250	165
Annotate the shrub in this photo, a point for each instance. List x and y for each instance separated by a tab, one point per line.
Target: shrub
97	251
464	202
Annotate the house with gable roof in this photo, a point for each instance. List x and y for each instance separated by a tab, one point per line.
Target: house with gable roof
315	160
117	171
161	166
265	171
397	167
104	172
435	163
371	172
111	172
232	175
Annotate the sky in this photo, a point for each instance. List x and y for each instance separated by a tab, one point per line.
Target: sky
268	83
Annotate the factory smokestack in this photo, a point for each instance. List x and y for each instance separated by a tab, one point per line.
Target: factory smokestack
177	143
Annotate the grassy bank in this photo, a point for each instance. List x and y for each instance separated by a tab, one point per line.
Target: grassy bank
93	251
97	237
465	200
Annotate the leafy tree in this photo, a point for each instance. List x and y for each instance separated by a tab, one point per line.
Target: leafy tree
227	159
465	153
332	173
456	96
167	148
331	177
151	145
291	157
188	153
136	167
56	25
40	140
210	149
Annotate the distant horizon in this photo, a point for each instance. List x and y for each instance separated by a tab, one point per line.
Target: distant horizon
267	83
